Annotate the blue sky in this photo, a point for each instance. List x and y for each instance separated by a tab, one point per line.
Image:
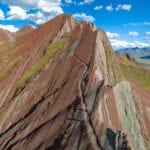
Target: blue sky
127	22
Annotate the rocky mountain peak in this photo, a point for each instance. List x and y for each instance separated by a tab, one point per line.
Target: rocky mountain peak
61	88
23	30
6	36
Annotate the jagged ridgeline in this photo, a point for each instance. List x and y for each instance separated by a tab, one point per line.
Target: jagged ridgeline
61	87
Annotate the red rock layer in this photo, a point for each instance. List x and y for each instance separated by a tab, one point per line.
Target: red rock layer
70	103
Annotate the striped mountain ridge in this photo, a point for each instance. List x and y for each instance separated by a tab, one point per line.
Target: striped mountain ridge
62	87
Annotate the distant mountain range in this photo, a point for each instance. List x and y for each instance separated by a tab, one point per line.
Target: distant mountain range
142	55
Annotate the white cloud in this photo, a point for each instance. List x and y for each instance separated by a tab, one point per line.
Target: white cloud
133	33
132	24
109	8
86	2
85	17
146	36
138	24
49	6
147	33
124	7
98	7
11	28
117	44
20	9
39	17
127	7
2	16
112	35
16	13
52	10
25	3
33	3
146	23
68	1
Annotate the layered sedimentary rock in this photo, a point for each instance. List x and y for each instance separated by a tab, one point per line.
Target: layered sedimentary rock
61	88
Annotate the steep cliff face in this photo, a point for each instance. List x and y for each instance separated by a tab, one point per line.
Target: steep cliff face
61	88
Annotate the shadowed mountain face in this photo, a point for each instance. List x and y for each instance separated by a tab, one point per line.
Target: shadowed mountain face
62	87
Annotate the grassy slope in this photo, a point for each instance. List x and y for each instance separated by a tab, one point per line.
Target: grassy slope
8	54
39	65
9	68
109	61
135	72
